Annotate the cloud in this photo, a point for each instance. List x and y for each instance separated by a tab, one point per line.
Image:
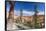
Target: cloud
40	13
25	13
28	13
17	12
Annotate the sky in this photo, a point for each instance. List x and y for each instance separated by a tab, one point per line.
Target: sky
27	8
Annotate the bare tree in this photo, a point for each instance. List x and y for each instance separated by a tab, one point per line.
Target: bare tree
11	12
11	16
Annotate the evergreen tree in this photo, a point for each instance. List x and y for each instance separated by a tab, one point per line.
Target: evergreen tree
36	25
20	15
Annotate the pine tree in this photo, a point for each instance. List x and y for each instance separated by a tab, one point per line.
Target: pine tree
36	25
20	15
